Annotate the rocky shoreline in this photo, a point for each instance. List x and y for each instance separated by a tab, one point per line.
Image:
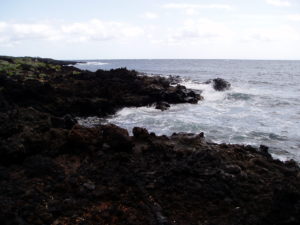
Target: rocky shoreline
54	171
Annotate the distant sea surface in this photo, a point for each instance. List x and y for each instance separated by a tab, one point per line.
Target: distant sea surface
262	106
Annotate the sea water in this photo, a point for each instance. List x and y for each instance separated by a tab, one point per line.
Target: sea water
262	106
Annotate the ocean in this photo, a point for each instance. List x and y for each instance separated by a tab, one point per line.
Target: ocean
262	106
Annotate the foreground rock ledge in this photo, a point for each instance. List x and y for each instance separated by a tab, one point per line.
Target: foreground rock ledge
104	176
53	171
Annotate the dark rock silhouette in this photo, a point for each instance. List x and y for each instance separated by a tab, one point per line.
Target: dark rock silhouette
219	84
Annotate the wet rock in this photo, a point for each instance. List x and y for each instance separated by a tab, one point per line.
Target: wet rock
162	106
191	100
201	135
219	84
174	80
180	94
264	150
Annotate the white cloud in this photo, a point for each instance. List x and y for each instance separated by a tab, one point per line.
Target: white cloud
196	6
279	2
199	30
2	26
32	31
283	34
293	17
98	30
5	42
193	9
93	30
150	15
204	31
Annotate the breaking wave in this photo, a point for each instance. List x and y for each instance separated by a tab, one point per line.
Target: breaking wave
93	63
261	107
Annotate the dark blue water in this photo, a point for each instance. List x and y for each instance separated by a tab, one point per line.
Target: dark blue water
262	107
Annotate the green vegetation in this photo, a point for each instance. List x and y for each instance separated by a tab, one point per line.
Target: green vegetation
32	68
57	68
9	68
75	72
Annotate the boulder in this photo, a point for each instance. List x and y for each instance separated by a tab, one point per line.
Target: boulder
219	84
140	132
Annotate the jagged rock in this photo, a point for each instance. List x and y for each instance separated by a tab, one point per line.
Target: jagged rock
80	137
264	150
162	106
91	94
175	178
42	166
219	84
55	172
174	80
118	138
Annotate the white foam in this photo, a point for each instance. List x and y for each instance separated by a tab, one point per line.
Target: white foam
93	63
230	116
128	111
208	92
89	121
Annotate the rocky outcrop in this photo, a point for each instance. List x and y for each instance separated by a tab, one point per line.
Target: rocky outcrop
83	93
104	176
219	84
54	171
162	106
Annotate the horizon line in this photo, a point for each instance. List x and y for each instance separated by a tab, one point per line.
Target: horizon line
179	59
89	59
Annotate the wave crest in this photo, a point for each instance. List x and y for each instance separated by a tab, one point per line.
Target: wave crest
93	63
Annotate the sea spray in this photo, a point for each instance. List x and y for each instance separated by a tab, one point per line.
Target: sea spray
261	107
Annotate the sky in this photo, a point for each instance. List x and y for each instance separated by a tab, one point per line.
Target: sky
161	29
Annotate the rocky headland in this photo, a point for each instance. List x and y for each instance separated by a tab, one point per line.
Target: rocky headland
54	171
